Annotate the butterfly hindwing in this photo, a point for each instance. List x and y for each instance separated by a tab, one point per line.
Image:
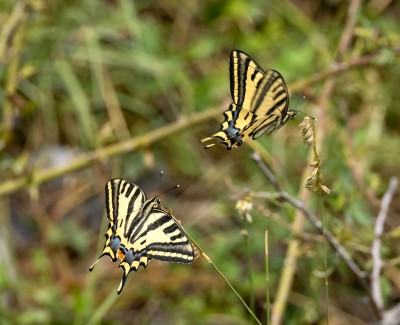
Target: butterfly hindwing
231	131
121	197
141	230
167	240
260	102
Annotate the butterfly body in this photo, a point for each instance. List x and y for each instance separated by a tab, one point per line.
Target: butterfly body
141	230
260	102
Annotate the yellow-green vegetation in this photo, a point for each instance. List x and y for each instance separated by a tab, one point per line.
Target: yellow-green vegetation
92	90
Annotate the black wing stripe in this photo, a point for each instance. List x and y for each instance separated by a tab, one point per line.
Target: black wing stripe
133	212
123	186
242	82
111	190
242	69
159	222
131	205
171	228
171	253
269	85
129	190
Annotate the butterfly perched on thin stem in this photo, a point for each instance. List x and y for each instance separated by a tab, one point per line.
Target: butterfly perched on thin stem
141	230
260	102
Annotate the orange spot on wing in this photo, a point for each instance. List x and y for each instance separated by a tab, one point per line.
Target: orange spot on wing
121	255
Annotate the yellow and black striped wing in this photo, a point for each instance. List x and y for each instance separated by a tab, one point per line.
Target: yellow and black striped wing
233	130
271	96
245	77
141	230
124	201
260	102
269	106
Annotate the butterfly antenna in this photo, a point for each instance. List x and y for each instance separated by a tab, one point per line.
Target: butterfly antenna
303	98
170	189
158	184
306	115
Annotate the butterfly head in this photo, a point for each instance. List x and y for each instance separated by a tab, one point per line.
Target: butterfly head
291	114
155	202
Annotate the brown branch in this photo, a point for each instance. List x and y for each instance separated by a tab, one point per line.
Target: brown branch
112	105
348	31
297	224
38	177
376	291
336	69
342	252
287	226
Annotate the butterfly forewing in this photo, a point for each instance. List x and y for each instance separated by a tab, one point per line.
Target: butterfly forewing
245	76
140	230
271	95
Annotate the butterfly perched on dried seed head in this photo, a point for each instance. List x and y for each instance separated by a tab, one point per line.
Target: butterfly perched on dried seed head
260	102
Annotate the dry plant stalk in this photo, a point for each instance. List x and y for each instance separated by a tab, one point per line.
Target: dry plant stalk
314	181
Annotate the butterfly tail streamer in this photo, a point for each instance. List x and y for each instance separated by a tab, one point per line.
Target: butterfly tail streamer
92	266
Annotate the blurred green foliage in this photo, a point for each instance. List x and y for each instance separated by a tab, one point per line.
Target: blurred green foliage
77	76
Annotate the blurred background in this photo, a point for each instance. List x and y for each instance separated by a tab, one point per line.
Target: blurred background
92	90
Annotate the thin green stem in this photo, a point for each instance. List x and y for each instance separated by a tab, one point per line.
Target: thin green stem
102	309
250	266
320	187
225	279
325	258
267	307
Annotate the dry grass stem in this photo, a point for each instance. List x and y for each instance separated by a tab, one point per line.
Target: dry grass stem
376	289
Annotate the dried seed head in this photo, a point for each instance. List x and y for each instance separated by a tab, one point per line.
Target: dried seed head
326	189
312	180
244	206
307	131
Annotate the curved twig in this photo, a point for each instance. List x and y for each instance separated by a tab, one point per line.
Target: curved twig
377	263
342	252
132	144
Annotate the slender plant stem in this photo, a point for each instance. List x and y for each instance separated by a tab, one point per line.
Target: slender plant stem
341	251
325	258
267	307
312	218
298	222
250	266
102	309
376	245
15	20
225	279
